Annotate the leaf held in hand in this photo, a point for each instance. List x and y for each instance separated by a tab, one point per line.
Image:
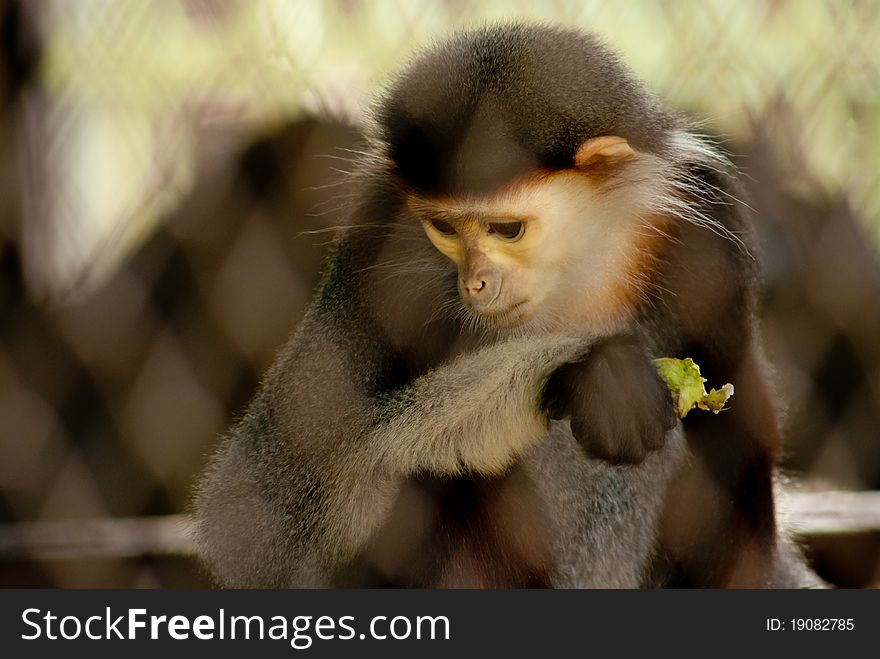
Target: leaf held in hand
685	383
716	399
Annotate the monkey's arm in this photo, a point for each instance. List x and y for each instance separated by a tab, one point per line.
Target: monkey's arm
476	414
619	408
313	468
719	526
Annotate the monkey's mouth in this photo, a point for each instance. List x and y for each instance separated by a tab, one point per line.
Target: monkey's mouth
510	316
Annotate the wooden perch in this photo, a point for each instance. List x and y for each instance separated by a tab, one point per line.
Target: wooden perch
832	513
101	537
807	514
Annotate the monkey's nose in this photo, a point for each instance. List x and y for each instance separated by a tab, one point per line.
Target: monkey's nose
474	287
480	288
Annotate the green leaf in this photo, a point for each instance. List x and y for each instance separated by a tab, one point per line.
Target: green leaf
686	385
716	399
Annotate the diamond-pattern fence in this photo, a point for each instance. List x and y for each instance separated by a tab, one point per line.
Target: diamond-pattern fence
170	173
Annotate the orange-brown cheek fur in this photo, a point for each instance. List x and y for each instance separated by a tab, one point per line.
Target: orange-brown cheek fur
613	305
629	284
639	268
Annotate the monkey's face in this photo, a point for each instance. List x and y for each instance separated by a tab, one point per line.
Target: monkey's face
493	249
556	251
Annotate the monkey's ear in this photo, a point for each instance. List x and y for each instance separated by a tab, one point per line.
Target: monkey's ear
603	151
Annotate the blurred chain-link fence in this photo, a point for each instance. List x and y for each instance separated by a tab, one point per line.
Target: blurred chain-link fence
170	171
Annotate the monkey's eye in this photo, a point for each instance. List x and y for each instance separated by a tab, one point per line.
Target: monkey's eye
443	227
507	230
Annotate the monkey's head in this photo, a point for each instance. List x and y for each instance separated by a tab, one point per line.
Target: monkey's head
551	250
537	163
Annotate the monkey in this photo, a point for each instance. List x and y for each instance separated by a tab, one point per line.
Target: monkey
470	400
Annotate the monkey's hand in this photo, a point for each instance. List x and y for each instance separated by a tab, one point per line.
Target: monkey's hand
619	407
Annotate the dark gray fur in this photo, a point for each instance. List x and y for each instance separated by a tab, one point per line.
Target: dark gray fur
392	445
477	111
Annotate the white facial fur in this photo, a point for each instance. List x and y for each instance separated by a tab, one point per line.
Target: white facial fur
577	263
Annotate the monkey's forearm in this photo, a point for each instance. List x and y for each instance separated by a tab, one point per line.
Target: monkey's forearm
475	414
333	458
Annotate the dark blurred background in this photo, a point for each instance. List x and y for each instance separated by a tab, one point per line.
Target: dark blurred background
171	173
